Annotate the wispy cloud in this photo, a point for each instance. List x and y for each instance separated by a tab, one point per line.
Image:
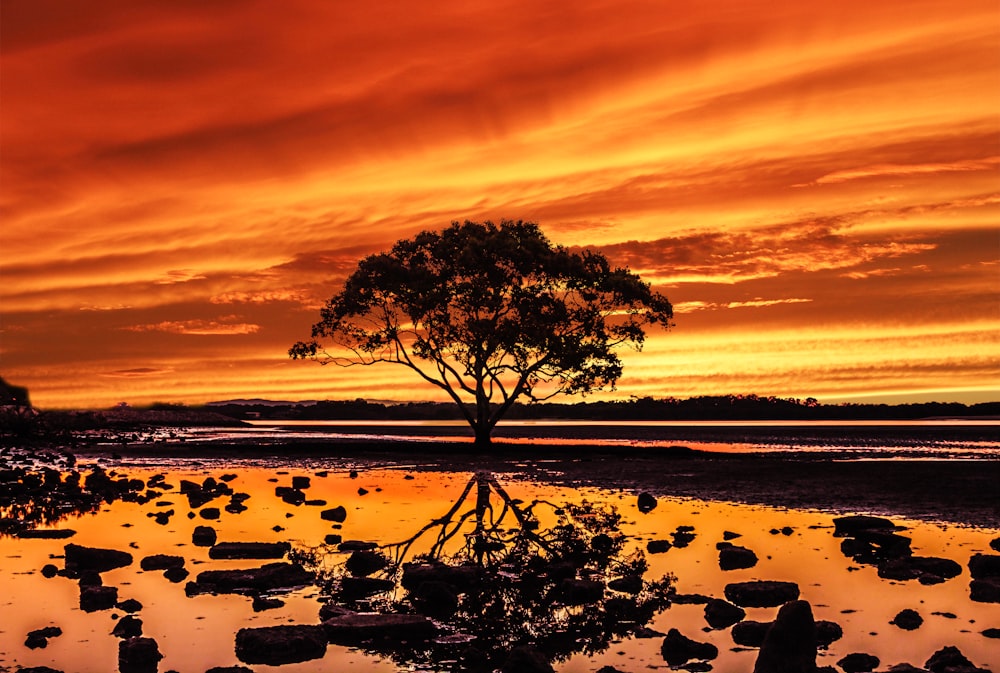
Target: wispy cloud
223	326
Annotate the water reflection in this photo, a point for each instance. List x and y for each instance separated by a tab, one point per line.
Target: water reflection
491	565
502	578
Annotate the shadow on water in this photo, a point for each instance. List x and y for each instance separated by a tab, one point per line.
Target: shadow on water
503	583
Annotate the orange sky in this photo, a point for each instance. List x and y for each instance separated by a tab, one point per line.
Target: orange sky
815	187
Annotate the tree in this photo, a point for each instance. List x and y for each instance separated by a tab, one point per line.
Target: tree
489	313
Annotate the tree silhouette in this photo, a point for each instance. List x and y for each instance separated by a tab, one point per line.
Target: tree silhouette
489	313
498	574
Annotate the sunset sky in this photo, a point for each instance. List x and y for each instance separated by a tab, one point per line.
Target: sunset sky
815	186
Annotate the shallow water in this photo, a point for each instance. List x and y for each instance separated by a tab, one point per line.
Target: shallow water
197	633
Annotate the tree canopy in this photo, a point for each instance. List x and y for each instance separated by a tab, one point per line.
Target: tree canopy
489	313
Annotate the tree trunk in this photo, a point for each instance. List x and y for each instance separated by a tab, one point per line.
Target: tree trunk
483	431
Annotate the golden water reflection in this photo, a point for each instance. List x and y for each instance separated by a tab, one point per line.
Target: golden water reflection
197	633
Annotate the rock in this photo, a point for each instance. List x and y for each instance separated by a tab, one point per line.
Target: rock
678	649
461	577
721	615
46	534
750	633
332	539
127	627
526	660
735	558
995	544
292	496
658	546
278	645
827	633
948	658
90	578
129	605
985	591
790	643
436	599
210	513
266	578
907	619
49	570
859	662
301	482
925	569
850	526
683	536
203	536
355	628
95	598
249	550
362	491
364	563
229	669
38	669
991	633
39	638
161	562
984	566
138	655
79	558
729	535
761	593
876	546
906	668
353	588
176	575
646	503
357	545
262	603
630	584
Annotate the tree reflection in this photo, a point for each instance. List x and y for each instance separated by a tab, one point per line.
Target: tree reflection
497	573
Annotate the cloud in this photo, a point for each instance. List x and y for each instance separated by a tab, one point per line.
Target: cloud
896	170
138	372
223	326
692	306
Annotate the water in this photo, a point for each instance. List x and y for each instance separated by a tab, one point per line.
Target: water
196	633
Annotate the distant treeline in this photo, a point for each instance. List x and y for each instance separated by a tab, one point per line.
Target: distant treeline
725	407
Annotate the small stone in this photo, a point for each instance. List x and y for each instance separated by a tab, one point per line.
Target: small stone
859	662
646	503
908	619
658	546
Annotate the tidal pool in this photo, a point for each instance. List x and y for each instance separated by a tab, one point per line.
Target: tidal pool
196	631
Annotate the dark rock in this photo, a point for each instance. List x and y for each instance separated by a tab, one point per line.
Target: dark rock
729	535
292	496
690	599
262	603
49	570
683	536
300	482
580	591
678	649
907	619
46	534
89	578
436	599
721	615
95	598
925	569
850	526
229	669
266	578
355	628
646	503
461	577
761	593
630	584
357	545
526	660
39	638
203	536
138	655
362	491
947	658
38	669
249	550
735	558
364	563
277	645
210	513
161	562
658	546
991	633
750	633
984	566
985	591
176	575
995	544
127	627
129	605
353	588
827	633
859	662
80	558
876	546
906	668
790	643
332	539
